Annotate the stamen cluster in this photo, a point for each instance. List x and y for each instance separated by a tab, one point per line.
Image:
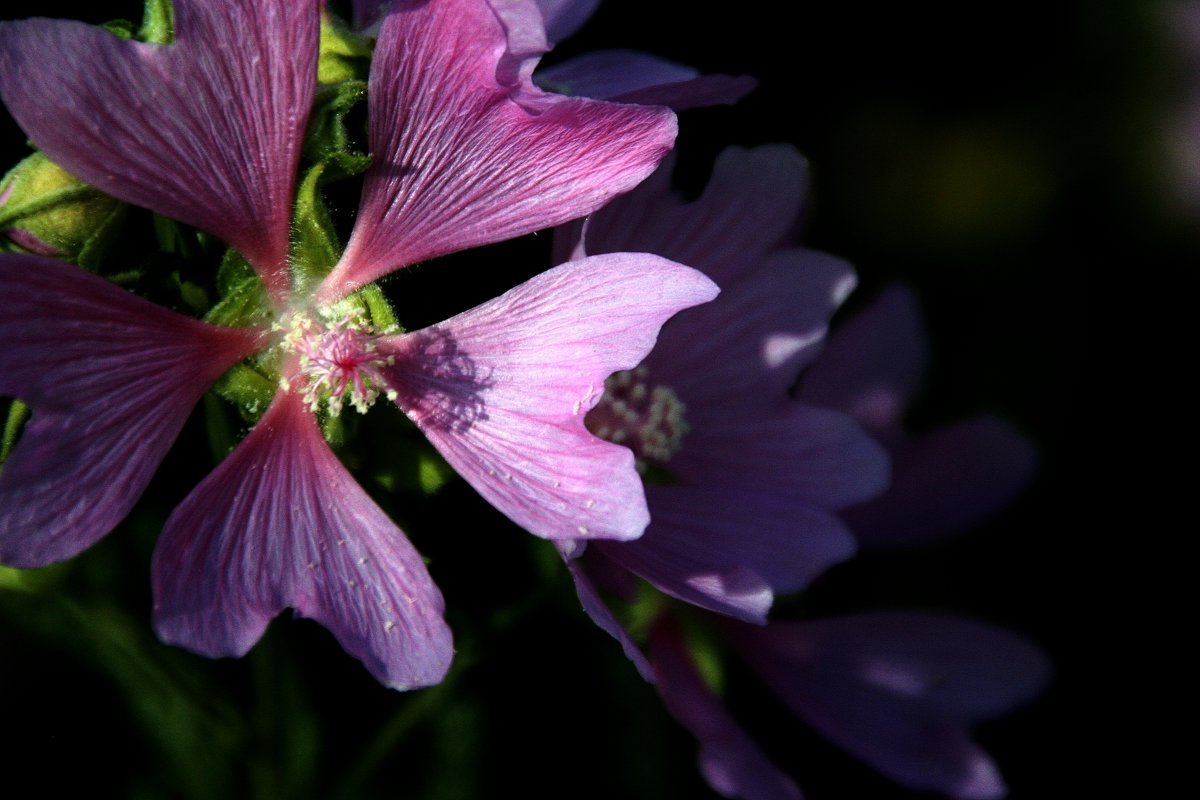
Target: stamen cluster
338	361
647	419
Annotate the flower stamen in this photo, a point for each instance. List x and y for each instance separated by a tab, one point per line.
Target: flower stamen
338	362
646	418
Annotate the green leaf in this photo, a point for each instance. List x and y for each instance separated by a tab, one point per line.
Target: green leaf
315	244
344	55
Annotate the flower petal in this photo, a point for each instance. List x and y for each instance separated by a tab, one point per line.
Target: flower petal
502	390
564	17
749	208
873	364
111	378
468	151
750	344
629	76
599	612
946	481
206	130
730	761
281	523
898	690
819	456
730	550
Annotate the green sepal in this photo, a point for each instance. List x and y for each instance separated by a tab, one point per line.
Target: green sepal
32	581
244	301
251	385
329	140
315	247
344	55
158	22
707	652
121	28
18	413
248	389
50	212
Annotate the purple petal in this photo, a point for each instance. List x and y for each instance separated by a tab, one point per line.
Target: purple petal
873	363
468	151
628	76
111	378
749	208
206	130
730	761
729	550
753	341
564	17
281	523
502	390
945	482
899	689
595	607
819	456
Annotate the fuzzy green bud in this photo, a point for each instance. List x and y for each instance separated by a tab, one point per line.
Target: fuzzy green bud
47	211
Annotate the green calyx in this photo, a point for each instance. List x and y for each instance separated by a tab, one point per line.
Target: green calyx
47	211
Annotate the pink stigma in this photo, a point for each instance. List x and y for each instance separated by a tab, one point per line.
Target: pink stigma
338	362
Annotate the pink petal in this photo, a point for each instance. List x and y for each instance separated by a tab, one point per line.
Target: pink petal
111	378
628	76
731	762
281	523
729	550
206	130
873	363
502	390
468	151
947	481
899	689
749	209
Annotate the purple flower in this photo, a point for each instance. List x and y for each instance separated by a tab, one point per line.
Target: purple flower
747	483
944	481
753	478
898	690
208	130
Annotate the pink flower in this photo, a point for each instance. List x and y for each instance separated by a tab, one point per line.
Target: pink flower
208	130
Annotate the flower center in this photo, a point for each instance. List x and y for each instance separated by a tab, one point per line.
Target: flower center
645	418
338	362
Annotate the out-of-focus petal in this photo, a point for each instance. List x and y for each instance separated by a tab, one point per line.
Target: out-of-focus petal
749	209
899	689
947	481
816	455
595	607
873	363
467	151
206	130
730	550
629	76
564	17
502	390
280	523
730	761
111	379
752	342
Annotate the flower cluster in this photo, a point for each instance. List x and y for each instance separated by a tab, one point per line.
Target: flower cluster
688	469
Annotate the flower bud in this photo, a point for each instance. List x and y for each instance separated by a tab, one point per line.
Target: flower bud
47	211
